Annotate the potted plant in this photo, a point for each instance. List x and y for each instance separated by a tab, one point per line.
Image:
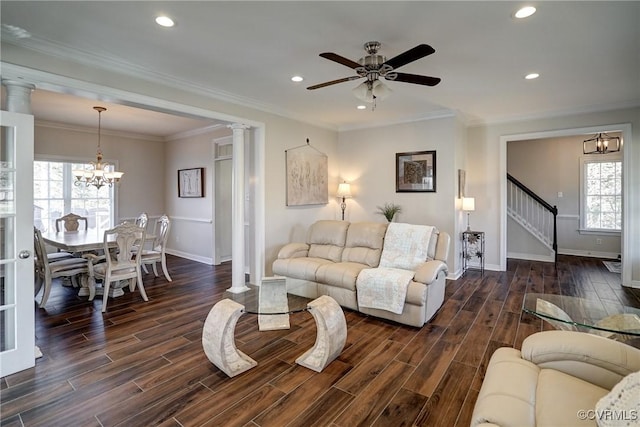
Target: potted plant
389	210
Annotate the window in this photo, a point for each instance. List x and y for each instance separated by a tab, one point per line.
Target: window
601	184
55	194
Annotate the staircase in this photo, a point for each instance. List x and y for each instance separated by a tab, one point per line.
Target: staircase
534	214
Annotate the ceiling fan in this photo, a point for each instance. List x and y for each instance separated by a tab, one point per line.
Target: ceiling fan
374	66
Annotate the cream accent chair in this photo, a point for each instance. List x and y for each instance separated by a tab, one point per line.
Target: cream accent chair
119	264
46	269
157	252
557	375
71	222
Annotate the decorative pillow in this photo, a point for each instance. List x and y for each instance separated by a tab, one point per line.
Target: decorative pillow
621	406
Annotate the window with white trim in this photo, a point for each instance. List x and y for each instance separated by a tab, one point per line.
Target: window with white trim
601	185
55	195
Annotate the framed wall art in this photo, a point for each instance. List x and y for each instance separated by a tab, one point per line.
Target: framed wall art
190	182
462	183
307	176
416	172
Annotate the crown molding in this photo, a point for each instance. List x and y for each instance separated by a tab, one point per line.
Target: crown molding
94	130
595	108
439	114
117	65
194	132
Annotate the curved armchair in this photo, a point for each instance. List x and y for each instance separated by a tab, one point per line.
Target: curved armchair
557	376
71	222
157	252
121	264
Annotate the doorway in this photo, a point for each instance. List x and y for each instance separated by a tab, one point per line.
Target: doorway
625	130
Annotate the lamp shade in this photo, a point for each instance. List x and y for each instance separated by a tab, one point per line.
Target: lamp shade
344	190
468	204
380	90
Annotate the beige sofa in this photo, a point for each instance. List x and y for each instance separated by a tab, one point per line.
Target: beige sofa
560	378
335	253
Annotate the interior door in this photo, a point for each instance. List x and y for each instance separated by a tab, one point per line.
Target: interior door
17	323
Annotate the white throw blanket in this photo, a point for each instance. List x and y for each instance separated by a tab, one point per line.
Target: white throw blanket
385	287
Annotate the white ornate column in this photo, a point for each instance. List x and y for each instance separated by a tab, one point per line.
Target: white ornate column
238	283
18	99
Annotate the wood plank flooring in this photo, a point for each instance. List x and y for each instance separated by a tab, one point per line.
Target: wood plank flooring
142	364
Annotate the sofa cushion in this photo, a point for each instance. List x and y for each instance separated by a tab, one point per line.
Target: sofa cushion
364	243
340	274
560	398
299	268
327	238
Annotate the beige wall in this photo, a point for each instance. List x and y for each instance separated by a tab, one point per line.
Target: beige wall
367	161
142	160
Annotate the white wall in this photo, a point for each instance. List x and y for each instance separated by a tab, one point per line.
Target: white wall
367	161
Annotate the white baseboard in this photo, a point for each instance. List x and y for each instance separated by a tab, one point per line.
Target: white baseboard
192	257
531	257
592	254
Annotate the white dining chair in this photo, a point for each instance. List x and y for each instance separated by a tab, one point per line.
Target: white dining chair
118	264
71	222
46	270
142	220
157	251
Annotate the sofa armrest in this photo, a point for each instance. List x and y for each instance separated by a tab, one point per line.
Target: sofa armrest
598	360
293	250
428	271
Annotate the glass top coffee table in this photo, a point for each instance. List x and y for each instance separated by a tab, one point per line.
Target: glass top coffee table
615	321
273	303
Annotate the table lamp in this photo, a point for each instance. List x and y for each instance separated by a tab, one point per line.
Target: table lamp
468	205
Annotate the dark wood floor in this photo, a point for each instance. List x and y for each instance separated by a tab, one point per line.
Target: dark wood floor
143	364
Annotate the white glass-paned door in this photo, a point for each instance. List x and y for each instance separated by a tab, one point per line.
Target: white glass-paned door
17	327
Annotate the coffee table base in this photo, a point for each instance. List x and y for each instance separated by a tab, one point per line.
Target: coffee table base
220	348
332	334
218	339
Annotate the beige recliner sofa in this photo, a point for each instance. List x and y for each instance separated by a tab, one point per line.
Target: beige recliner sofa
335	253
556	380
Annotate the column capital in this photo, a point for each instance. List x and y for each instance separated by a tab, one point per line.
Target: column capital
238	126
18	97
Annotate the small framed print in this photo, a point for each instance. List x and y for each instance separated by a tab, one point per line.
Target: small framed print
190	182
416	172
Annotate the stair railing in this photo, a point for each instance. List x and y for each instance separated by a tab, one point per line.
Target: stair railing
533	212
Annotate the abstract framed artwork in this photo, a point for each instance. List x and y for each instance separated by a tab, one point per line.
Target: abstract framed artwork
416	172
307	177
190	182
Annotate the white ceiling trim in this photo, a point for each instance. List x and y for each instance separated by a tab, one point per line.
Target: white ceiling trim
193	132
119	66
94	130
441	114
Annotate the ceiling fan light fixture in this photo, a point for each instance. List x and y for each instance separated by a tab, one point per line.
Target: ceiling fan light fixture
362	92
380	90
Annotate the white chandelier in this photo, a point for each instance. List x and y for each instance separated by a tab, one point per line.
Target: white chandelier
100	173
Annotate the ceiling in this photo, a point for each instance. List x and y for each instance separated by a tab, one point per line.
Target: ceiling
587	55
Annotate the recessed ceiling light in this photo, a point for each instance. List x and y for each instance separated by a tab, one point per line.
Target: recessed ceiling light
361	107
165	21
296	79
525	12
532	76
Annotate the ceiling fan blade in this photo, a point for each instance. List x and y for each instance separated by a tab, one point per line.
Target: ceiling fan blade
417	79
333	82
340	59
411	55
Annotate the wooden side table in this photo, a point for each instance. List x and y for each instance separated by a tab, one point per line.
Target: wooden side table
472	249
